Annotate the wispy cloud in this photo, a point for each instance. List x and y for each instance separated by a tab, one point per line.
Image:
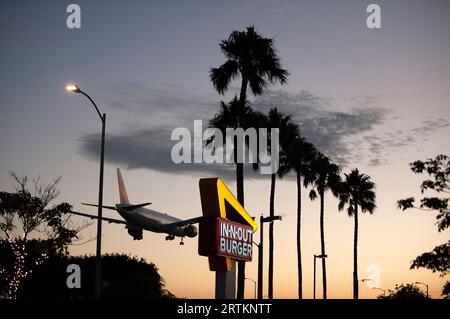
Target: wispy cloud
161	108
349	130
431	125
323	124
165	105
147	148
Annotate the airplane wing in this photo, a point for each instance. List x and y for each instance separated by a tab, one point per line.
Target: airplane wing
106	219
129	207
93	205
182	223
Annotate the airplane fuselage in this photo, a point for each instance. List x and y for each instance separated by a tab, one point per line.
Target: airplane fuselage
154	221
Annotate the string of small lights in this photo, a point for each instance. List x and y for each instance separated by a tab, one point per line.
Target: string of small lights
18	273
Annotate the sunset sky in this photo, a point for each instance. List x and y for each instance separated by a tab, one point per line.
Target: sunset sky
372	99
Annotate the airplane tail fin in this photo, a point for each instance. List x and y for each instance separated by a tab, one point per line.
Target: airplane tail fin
133	207
122	191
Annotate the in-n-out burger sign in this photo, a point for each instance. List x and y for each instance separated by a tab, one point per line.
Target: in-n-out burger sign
234	240
226	230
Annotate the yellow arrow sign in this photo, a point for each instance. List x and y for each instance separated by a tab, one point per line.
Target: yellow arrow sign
218	201
226	196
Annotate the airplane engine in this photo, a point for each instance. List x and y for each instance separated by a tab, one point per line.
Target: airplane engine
135	232
190	231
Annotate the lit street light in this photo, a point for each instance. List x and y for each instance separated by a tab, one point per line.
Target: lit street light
316	256
98	261
73	88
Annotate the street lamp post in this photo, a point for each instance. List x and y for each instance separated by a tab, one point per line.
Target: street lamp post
316	256
422	283
259	265
262	220
98	260
254	282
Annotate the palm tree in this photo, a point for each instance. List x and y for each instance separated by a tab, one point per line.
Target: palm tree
287	131
255	59
300	154
356	191
322	175
228	117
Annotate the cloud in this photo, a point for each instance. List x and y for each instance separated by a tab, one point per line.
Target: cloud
323	123
147	148
352	131
431	125
161	108
164	105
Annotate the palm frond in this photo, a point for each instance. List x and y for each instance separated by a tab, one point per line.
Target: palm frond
251	55
222	76
357	189
312	194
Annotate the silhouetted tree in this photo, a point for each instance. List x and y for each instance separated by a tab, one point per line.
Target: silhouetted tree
23	214
438	171
287	132
227	117
323	175
254	58
299	154
437	260
446	290
356	191
123	277
405	291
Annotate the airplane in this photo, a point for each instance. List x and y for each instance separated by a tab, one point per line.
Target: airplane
137	218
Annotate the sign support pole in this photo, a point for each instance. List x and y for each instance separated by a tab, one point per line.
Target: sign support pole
226	283
260	259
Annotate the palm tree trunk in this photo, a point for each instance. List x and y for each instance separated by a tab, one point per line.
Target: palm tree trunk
272	198
240	198
299	247
322	244
240	182
240	189
355	257
243	92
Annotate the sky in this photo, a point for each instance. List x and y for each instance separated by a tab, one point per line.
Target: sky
376	99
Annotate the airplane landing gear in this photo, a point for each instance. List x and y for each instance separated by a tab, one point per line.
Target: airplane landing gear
181	242
170	237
